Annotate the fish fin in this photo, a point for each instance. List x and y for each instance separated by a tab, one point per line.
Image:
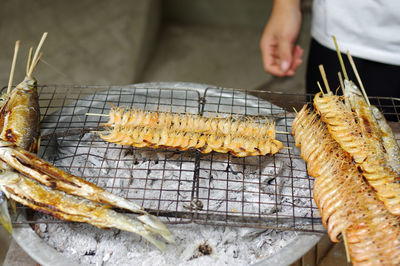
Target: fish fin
13	205
5	216
151	223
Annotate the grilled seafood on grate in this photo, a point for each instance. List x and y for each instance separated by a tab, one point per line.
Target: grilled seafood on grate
348	205
34	182
351	151
141	128
71	208
20	112
355	128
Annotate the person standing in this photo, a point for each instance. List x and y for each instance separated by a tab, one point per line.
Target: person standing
369	29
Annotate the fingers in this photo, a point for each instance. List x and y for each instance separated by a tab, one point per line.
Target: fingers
272	63
296	60
270	56
281	60
285	50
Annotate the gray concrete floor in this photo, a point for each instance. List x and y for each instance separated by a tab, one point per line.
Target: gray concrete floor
102	43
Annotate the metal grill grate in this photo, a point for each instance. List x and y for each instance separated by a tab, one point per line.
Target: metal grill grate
183	187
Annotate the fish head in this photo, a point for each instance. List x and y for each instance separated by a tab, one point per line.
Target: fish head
28	84
351	89
3	100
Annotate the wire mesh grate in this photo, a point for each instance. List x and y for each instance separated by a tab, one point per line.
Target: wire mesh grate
273	192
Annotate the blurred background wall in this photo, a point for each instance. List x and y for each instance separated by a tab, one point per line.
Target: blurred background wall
120	42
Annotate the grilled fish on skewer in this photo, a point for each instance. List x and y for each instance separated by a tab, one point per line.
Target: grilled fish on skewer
5	219
389	141
376	119
369	115
67	207
20	113
19	109
33	167
346	203
19	127
19	116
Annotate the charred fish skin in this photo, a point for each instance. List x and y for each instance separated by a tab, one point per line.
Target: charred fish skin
19	129
20	117
389	141
20	111
71	208
50	176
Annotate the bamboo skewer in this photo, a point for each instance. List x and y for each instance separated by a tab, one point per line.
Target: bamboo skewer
28	64
346	77
94	114
341	81
353	65
36	56
106	115
282	132
320	88
323	75
34	63
14	61
346	247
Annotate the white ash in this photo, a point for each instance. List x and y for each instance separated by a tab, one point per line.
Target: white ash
234	246
237	246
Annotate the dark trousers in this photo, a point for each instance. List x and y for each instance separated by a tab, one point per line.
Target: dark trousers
378	79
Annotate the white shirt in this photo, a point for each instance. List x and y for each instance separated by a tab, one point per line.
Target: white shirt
369	29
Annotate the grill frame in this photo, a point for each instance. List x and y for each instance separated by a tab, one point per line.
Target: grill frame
56	99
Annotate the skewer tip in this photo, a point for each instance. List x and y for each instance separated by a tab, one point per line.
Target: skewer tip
10	80
340	58
346	247
320	88
353	66
94	114
282	132
324	78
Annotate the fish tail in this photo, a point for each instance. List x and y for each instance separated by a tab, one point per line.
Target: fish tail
5	219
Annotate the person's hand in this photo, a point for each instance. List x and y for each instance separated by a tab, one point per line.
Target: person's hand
281	57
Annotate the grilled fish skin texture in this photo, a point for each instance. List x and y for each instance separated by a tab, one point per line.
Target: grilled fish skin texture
67	207
20	116
36	168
